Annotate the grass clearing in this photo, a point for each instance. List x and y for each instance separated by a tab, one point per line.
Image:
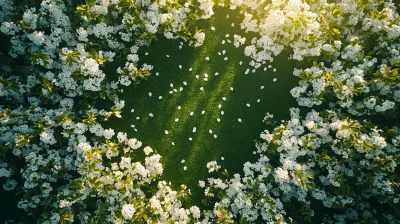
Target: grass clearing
234	139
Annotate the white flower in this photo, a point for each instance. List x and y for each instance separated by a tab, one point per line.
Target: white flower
147	150
213	166
47	137
134	143
128	211
202	184
108	133
199	39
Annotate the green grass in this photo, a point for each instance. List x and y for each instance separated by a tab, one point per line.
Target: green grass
235	140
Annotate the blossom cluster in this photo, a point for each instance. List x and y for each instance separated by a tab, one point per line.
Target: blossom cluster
339	157
50	81
325	160
73	169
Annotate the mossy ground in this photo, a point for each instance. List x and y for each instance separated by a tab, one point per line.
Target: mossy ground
234	139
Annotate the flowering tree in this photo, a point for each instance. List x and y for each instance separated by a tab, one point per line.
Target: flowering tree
67	167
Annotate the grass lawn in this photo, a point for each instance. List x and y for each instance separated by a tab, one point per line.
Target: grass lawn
234	139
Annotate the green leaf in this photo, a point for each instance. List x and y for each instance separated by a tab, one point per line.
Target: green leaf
145	217
80	9
335	31
336	11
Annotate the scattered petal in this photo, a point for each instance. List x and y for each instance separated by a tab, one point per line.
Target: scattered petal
262	87
274	69
184	168
151	115
224	98
219	120
269	66
203	112
173	143
190	69
170	92
157	74
258	100
190	139
219	106
222	112
223	41
179	107
160	97
171	84
184	83
137	118
205	79
191	113
166	132
194	129
216	74
201	89
231	88
240	120
205	75
176	119
133	110
210	131
247	104
183	161
222	158
212	28
167	56
197	76
215	136
150	94
207	58
180	66
274	79
225	58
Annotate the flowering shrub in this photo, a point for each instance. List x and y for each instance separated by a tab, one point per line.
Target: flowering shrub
330	159
67	167
323	160
54	151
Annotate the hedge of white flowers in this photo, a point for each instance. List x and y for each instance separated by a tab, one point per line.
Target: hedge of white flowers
339	160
